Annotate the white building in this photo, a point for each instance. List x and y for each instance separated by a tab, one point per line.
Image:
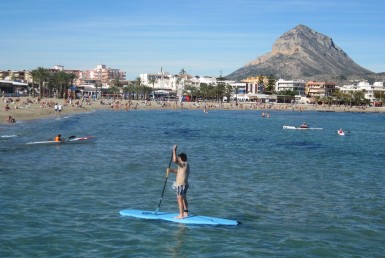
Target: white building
292	85
164	81
367	87
207	79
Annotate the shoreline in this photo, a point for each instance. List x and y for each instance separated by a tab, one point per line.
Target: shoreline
29	108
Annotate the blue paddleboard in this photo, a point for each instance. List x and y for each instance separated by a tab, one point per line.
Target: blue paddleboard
168	216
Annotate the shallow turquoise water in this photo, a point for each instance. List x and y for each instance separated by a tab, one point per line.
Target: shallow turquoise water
297	193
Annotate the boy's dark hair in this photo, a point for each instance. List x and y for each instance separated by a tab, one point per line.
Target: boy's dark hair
183	156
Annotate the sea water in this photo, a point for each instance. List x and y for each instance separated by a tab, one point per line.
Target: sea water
298	193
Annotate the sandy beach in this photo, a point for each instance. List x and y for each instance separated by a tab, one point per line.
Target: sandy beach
29	108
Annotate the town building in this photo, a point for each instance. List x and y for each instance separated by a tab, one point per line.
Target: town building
370	90
162	81
291	85
102	74
23	76
14	83
319	89
255	84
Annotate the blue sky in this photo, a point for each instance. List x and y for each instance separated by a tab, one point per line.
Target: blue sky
204	37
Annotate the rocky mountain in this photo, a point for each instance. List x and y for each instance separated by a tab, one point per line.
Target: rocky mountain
303	53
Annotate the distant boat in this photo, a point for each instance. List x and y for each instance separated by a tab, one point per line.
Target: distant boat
341	132
289	127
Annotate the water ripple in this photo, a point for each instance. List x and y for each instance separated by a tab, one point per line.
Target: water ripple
297	193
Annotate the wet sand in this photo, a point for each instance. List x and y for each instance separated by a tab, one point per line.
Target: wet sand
29	108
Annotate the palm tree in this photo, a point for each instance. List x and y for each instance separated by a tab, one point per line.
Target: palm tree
317	99
220	91
138	84
63	81
146	91
192	91
182	71
270	84
337	96
228	90
115	90
359	97
260	82
40	75
205	90
126	91
152	79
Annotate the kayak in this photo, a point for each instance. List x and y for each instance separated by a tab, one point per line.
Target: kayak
44	142
342	133
82	139
171	217
69	140
289	127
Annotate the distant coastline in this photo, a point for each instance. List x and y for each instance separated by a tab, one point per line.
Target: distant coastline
25	108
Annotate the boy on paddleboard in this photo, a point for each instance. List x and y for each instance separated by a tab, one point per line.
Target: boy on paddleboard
181	182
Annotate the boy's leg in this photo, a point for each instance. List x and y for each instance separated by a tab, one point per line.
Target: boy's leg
180	206
185	206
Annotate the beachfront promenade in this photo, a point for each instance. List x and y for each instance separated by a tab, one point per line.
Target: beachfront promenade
29	108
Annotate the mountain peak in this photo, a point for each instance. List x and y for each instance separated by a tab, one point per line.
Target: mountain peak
300	38
302	53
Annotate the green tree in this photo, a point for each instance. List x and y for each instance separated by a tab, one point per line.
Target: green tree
146	90
126	90
182	71
62	81
192	92
152	79
130	90
137	87
114	90
204	89
260	82
228	91
220	91
286	95
379	95
40	76
270	84
359	97
337	96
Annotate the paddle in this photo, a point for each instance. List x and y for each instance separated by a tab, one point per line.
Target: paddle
165	182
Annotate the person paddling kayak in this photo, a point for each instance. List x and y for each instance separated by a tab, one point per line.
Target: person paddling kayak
58	138
304	125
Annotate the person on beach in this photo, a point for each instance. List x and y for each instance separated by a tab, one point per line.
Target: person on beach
59	108
58	138
6	108
56	108
10	120
181	181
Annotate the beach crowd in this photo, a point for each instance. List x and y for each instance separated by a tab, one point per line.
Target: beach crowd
27	108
